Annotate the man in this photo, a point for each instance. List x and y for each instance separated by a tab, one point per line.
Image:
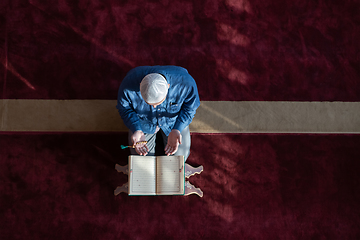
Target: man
158	98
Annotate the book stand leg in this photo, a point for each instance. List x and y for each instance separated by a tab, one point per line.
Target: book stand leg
123	169
191	189
190	170
124	188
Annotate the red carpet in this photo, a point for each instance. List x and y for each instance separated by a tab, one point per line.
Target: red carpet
256	186
247	50
60	186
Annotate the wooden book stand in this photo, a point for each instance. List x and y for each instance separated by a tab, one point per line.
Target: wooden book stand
189	188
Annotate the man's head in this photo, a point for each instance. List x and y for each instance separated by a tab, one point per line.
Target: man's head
154	88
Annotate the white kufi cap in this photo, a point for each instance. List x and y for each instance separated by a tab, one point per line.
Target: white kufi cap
154	88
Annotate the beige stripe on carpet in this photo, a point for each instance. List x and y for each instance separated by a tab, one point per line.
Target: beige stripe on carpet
211	117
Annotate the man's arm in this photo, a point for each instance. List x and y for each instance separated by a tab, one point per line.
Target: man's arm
188	109
187	113
127	96
127	113
132	121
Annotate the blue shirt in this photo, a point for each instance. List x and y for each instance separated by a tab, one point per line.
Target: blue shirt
176	112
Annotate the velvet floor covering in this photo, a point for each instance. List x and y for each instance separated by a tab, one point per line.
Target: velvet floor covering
238	50
60	186
256	186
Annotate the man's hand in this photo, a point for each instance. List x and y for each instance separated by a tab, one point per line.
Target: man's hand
140	148
174	139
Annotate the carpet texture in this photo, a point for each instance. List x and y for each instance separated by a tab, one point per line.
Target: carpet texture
256	186
280	50
60	186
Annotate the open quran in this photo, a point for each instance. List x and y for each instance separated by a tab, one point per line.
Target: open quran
162	175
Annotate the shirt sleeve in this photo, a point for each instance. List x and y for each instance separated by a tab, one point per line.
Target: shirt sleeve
188	109
125	108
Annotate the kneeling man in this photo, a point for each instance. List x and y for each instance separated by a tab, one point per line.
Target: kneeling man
158	98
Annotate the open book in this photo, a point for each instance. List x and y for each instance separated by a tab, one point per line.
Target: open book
156	175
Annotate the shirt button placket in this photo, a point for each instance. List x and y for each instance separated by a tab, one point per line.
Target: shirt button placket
159	119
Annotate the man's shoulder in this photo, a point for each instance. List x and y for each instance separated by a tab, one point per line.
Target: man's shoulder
173	68
138	70
160	68
172	73
136	74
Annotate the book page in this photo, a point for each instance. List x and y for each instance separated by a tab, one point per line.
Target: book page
170	175
142	175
